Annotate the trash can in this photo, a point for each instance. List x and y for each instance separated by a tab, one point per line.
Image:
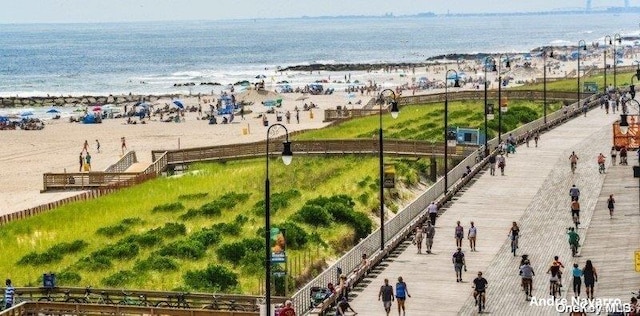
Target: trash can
265	123
49	280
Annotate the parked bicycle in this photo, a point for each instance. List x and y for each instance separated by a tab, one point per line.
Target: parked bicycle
128	300
92	298
51	298
230	305
180	301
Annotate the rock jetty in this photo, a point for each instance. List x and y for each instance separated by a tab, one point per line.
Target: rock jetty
50	101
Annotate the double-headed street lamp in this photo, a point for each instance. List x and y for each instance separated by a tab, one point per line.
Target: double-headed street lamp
499	69
616	39
581	45
486	66
287	155
544	82
456	84
394	113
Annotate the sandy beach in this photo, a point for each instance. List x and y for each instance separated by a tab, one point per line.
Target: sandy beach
26	155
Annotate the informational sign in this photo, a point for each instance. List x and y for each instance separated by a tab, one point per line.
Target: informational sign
278	246
389	176
637	260
489	111
452	137
590	86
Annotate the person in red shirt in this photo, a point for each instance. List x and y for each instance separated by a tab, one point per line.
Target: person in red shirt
288	309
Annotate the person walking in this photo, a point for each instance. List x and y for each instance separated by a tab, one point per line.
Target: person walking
614	154
417	240
590	278
85	147
386	295
298	116
502	162
123	144
611	204
492	165
87	160
536	138
97	145
471	234
9	293
458	263
429	232
288	309
623	155
573	160
574	193
402	292
459	234
432	209
81	161
577	280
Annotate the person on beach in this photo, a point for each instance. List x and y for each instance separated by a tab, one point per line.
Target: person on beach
386	295
97	145
87	160
288	116
402	292
297	116
123	144
429	233
81	161
473	231
611	204
459	234
85	147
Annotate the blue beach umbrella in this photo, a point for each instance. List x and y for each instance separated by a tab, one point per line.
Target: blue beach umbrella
53	111
26	114
179	103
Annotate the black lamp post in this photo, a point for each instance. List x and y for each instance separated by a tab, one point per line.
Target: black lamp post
616	39
508	65
544	83
486	66
606	42
581	45
287	155
394	114
456	84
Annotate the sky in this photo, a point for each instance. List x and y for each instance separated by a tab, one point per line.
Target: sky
80	11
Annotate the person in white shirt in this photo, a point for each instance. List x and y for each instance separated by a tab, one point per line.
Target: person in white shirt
473	230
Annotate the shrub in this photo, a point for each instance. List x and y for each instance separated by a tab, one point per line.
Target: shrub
193	196
363	198
232	229
279	200
36	259
206	237
68	278
131	221
145	240
188	249
253	244
156	263
362	224
94	263
68	247
119	279
296	236
253	263
120	228
120	250
215	208
314	215
232	252
241	219
169	207
170	230
213	278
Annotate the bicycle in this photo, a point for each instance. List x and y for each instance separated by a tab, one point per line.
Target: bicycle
574	249
573	167
91	298
601	168
528	288
555	289
576	221
49	298
230	305
180	302
127	300
481	300
514	245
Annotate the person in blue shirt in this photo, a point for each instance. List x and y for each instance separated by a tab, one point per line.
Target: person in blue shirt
577	279
9	293
401	294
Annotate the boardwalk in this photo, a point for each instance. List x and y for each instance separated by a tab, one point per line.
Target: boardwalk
534	192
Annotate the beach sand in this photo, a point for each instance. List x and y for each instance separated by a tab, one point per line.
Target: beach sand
26	155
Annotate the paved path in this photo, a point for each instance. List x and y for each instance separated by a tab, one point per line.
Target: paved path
534	192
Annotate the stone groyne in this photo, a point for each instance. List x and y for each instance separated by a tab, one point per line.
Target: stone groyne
49	101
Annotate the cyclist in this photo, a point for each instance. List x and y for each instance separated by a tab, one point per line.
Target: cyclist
573	158
554	280
526	272
574	238
575	212
480	286
601	160
556	261
574	192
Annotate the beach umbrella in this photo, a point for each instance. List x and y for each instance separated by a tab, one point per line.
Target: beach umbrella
179	103
260	76
26	114
53	111
97	109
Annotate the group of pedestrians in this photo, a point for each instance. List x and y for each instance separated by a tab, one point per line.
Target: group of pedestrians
387	297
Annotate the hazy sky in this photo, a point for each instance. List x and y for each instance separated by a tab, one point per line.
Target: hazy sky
43	11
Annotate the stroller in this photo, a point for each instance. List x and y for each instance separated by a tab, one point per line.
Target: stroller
319	294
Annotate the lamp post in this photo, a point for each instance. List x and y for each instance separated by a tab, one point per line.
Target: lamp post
486	65
609	42
287	155
394	114
581	45
508	65
456	84
544	82
618	39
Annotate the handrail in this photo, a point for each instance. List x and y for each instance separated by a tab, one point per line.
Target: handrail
123	163
59	308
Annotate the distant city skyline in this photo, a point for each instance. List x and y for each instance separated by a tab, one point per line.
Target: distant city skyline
81	11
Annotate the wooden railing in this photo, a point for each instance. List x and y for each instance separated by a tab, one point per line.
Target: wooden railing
92	180
123	163
30	301
335	114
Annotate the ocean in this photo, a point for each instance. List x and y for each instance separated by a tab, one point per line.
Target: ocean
152	57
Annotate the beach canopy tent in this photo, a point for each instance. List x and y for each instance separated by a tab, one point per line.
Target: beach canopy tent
89	119
54	111
178	103
4	119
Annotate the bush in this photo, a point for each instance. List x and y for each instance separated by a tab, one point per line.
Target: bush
119	279
120	228
241	219
193	196
120	250
362	224
231	229
232	252
156	263
169	207
253	244
145	240
279	200
66	278
170	230
53	254
314	215
296	236
215	208
206	237
94	263
214	278
188	249
253	263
